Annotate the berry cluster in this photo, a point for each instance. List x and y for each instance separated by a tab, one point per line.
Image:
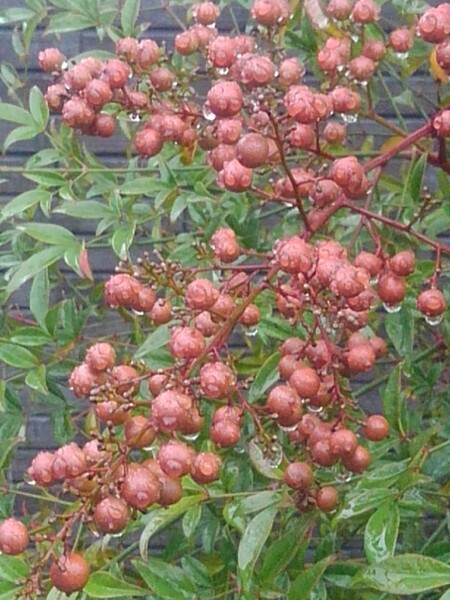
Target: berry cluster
264	130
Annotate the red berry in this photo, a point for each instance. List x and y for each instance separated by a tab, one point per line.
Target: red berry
50	59
175	458
376	428
271	13
431	303
111	515
217	380
225	99
252	150
359	461
327	499
284	405
140	488
13	537
69	573
401	40
298	476
205	13
391	288
205	467
201	294
403	263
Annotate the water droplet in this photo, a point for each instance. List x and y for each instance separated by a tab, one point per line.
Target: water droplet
174	85
315	409
274	456
251	331
29	480
280	20
355	37
150	448
276	74
139	313
288	429
402	55
345	476
364	83
208	113
134	117
433	321
64	66
239	449
392	308
349	118
116	535
223	71
191	437
211	25
340	68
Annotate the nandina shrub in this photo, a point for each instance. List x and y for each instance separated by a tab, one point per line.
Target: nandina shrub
261	374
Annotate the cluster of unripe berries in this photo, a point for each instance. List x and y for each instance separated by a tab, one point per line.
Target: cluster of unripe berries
255	118
323	277
308	404
240	128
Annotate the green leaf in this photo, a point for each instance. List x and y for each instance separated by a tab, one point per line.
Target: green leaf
13	15
128	16
63	22
87	209
39	298
178	207
105	585
400	329
17	357
72	258
157	339
258	501
254	538
37	379
143	186
48	233
415	182
38	107
265	378
282	551
405	574
47	178
34	265
15	114
9	590
167	581
30	336
303	585
159	518
394	401
380	535
384	475
197	571
260	463
122	239
358	502
20	134
23	202
12	568
191	519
